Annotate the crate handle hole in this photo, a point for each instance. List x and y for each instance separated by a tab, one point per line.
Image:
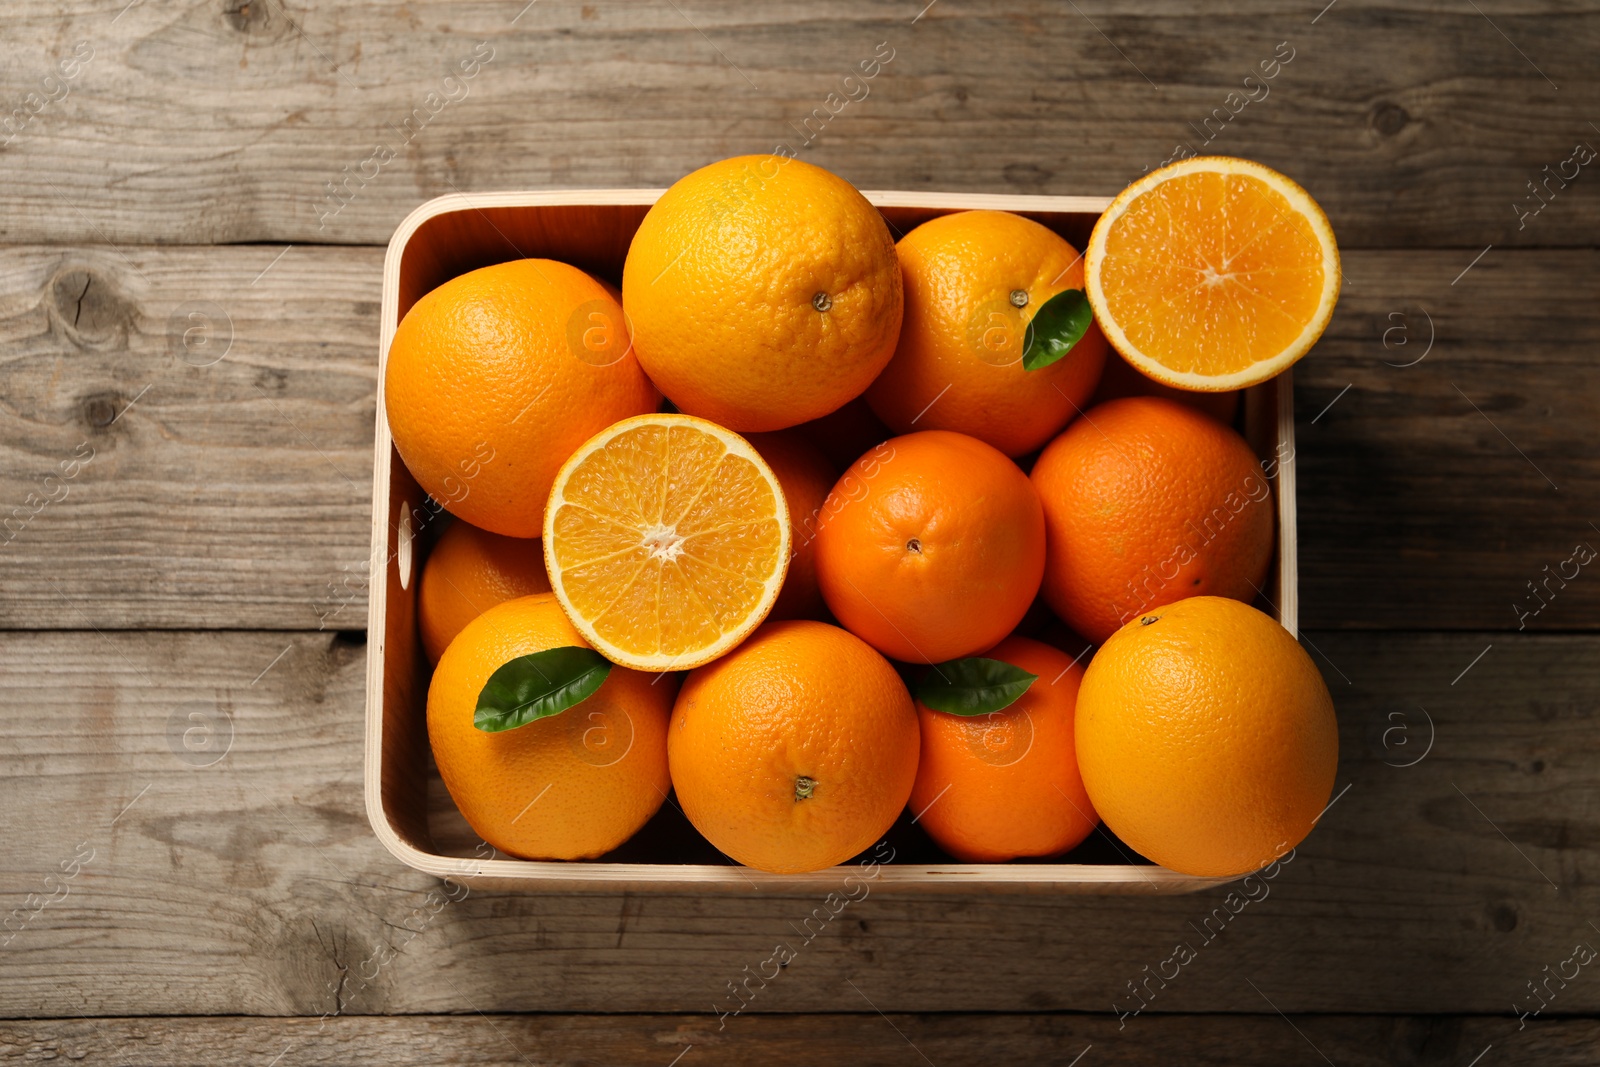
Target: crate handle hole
403	539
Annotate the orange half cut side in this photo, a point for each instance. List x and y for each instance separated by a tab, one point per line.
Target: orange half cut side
667	540
1212	273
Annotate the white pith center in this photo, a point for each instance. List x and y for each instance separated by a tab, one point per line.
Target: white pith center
664	542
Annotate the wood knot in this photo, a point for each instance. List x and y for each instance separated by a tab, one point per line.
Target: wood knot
246	16
100	410
1388	119
86	308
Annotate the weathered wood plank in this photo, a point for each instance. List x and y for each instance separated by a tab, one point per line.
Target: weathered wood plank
225	122
863	1039
192	427
238	494
164	883
1449	478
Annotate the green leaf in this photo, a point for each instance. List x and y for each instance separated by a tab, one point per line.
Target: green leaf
973	686
539	685
1056	328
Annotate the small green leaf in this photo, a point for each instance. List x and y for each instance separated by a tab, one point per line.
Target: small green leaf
539	685
1058	325
973	686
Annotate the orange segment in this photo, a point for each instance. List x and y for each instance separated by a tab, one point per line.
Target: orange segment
667	539
1213	273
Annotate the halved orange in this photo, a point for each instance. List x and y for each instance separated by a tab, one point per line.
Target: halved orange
667	540
1212	273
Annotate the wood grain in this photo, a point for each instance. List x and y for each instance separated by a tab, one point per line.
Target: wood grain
185	449
863	1039
1415	124
253	884
237	495
1448	479
224	401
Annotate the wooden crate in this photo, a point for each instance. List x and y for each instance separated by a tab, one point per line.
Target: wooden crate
591	228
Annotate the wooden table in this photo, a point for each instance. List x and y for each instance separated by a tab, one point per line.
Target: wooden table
185	544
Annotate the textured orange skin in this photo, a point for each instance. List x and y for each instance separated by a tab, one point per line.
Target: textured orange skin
806	475
962	332
981	547
1131	492
719	283
1207	738
1121	379
797	698
468	572
994	787
571	786
485	394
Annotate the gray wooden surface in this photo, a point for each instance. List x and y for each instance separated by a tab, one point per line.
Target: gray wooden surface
196	538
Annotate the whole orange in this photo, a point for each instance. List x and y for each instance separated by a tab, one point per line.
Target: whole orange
1206	737
931	546
796	750
762	292
497	375
994	787
806	475
468	572
973	282
1148	501
570	786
